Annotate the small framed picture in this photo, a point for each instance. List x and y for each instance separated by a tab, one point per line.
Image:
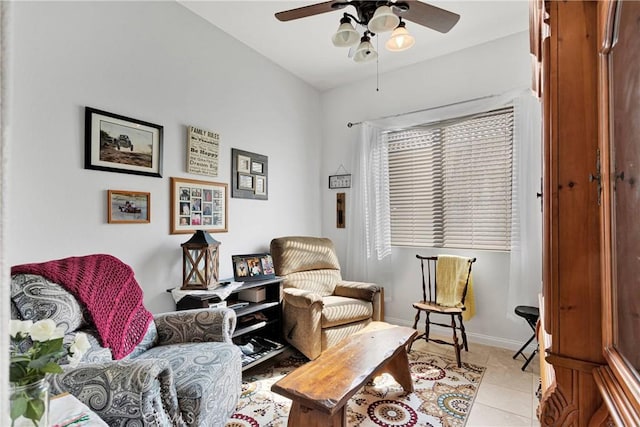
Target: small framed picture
244	163
261	184
245	181
256	167
198	205
126	207
117	143
252	267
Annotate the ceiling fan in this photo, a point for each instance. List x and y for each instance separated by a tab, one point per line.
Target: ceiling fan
377	17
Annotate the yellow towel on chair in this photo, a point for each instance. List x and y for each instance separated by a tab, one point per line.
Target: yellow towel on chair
451	276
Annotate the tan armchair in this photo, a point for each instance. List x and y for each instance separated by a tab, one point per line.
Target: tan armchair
319	307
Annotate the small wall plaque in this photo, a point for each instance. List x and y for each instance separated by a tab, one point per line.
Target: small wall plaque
340	181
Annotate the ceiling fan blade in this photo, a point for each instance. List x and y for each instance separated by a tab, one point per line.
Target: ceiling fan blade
428	15
313	9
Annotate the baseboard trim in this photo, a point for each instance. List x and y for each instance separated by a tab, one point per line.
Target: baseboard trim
471	336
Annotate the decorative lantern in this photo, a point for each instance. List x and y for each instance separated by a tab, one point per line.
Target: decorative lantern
200	260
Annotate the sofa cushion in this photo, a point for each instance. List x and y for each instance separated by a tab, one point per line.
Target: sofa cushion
149	340
332	336
301	253
37	298
321	282
342	310
206	377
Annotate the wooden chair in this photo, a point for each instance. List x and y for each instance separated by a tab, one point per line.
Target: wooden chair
444	298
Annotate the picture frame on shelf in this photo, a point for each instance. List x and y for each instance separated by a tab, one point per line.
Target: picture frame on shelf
115	143
128	207
198	205
249	175
252	267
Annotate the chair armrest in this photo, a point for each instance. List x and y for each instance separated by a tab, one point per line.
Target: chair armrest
301	298
364	291
124	392
204	325
358	290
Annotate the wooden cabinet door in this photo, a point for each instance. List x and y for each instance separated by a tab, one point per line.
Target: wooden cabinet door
619	380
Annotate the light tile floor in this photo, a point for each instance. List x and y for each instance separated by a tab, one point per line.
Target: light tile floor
507	395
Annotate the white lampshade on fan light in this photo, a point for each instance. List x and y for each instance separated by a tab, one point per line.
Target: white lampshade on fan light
383	20
346	34
365	51
400	39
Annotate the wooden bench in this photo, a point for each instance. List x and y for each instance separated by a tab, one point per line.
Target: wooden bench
320	389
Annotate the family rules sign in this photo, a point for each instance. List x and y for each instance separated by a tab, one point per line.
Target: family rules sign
202	151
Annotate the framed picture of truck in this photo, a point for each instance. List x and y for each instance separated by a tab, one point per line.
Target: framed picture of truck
116	143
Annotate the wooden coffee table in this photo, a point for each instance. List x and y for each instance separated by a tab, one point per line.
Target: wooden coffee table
320	389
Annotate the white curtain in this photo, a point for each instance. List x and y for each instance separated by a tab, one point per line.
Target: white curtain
525	273
369	245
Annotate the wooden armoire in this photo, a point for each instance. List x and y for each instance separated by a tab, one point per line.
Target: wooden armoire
587	75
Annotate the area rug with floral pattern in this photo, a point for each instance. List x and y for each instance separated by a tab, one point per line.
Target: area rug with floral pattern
443	396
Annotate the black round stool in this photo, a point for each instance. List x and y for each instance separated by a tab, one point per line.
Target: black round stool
531	315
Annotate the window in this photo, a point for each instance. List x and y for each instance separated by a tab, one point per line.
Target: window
450	183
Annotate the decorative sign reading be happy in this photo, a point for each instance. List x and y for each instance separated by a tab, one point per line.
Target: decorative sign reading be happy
202	151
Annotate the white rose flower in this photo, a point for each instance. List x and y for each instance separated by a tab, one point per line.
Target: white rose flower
59	332
80	345
44	330
20	327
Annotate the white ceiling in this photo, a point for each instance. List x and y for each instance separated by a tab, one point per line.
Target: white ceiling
304	46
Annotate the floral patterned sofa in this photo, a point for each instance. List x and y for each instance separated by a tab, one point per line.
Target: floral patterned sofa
185	371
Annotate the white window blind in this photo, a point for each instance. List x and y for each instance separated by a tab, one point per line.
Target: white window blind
450	183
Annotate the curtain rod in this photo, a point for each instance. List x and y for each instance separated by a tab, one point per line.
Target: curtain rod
351	124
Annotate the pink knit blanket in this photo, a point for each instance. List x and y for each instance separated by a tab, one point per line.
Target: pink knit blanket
108	289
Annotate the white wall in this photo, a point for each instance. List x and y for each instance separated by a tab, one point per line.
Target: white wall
157	62
489	69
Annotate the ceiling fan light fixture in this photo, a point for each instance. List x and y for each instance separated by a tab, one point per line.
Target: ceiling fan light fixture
365	51
383	20
346	35
400	39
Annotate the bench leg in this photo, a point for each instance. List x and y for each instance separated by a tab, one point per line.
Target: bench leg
301	415
415	325
398	367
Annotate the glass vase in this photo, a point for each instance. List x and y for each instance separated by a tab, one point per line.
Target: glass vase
30	404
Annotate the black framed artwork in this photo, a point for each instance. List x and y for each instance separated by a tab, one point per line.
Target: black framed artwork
116	143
